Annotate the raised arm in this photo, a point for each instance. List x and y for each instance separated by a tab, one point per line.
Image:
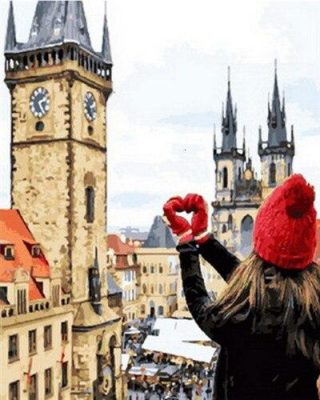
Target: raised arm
198	300
210	249
218	256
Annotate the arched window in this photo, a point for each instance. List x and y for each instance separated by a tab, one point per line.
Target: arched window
160	310
144	269
224	228
225	177
230	222
90	204
246	234
143	308
272	173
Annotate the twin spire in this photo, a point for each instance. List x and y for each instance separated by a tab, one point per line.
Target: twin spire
277	133
56	23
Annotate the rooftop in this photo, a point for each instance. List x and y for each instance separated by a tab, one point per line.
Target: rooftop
159	235
15	231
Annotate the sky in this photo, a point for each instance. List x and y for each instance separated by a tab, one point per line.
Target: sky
170	79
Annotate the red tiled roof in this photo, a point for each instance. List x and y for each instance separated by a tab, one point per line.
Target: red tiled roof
114	242
121	250
14	230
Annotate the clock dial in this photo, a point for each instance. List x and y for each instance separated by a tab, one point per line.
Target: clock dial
39	102
90	107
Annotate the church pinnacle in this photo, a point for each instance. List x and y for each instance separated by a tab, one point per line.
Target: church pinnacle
11	41
229	122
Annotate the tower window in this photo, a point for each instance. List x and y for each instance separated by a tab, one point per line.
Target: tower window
90	130
39	126
224	228
225	177
90	204
272	173
230	222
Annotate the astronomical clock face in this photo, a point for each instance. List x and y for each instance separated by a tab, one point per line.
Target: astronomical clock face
90	107
39	102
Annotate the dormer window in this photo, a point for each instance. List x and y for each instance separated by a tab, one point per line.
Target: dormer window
35	250
57	26
9	252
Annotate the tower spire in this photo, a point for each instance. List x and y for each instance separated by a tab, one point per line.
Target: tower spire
276	115
11	40
106	49
229	122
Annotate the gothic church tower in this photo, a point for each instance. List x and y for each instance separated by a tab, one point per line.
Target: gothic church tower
276	154
59	89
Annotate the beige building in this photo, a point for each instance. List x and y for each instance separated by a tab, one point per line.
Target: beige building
159	262
59	88
238	192
36	318
124	268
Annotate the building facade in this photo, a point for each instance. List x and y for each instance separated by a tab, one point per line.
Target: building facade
59	88
238	191
125	269
36	318
159	267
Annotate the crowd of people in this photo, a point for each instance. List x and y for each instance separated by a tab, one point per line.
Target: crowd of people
163	376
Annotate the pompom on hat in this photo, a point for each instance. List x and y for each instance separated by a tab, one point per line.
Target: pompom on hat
285	227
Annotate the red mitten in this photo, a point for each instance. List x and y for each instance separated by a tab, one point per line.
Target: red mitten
179	225
199	221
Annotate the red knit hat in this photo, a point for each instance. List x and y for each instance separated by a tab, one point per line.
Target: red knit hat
285	227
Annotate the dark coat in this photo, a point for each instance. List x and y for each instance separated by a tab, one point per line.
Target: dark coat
251	366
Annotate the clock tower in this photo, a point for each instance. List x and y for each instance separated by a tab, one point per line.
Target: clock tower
59	89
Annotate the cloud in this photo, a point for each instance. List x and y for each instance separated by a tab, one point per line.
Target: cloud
193	120
133	199
306	94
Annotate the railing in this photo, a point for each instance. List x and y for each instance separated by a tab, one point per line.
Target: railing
65	299
39	305
7	311
55	56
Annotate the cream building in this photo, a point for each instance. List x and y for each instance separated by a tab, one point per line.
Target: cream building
159	263
238	191
36	318
59	88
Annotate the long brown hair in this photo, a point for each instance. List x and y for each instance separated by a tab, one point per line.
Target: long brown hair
283	302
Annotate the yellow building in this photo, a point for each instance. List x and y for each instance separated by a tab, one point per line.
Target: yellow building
124	267
159	264
238	192
59	88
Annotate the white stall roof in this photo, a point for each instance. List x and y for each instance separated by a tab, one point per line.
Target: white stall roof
144	369
185	330
178	348
124	361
